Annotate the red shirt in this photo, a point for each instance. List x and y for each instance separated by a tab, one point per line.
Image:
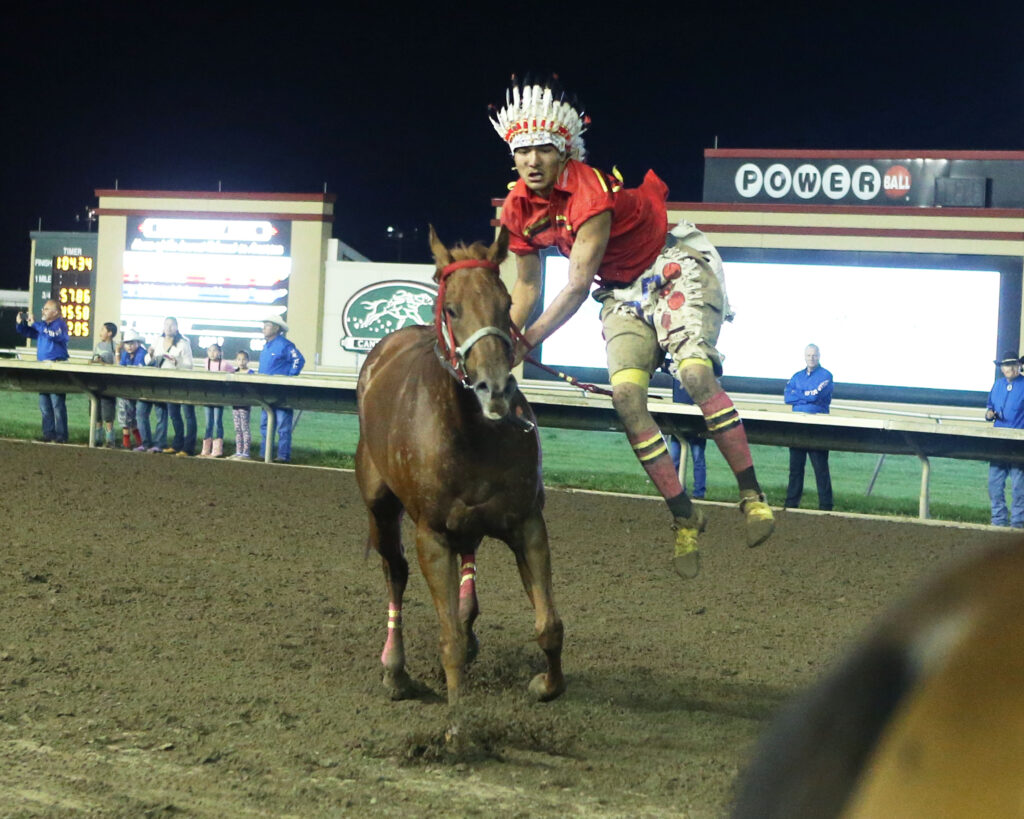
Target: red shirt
639	219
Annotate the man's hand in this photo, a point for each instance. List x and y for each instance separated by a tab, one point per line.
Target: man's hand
990	415
520	352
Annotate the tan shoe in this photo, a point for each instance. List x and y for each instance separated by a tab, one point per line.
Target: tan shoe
760	520
686	560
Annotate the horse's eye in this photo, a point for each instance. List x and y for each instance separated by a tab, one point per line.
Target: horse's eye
450	311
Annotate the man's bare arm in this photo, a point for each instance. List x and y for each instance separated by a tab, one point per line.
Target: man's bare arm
584	261
526	289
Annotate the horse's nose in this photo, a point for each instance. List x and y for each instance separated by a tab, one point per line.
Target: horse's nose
494	387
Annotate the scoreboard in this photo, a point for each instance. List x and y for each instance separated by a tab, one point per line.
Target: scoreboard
72	286
64	269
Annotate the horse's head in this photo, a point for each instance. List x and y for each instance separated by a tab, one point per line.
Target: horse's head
472	320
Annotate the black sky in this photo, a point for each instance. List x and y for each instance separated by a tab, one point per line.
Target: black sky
388	105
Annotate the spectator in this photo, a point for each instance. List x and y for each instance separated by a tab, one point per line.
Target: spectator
697	447
279	357
1006	409
240	415
810	391
52	335
213	439
174	351
133	416
103	353
696	444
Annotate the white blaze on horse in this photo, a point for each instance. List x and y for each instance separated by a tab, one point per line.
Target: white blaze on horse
446	436
924	719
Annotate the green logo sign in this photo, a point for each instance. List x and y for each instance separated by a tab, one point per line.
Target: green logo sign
381	308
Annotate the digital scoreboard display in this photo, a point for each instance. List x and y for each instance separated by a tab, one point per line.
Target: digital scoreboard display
71	286
219	277
64	268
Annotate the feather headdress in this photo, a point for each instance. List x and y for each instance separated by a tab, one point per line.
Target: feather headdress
536	114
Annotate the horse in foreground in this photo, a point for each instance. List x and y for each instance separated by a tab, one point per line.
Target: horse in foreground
445	435
924	719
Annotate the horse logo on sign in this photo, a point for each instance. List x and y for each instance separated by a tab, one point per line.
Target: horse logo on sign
381	308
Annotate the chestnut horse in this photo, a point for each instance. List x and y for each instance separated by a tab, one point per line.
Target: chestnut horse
924	719
445	435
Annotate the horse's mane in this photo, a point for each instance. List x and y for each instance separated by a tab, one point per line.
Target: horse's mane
462	251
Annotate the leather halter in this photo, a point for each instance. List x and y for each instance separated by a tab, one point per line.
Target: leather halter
453	356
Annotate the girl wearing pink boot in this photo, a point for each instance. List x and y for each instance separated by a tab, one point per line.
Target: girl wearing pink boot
213	440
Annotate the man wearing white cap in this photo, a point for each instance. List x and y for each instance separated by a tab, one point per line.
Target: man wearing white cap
662	292
279	357
1006	409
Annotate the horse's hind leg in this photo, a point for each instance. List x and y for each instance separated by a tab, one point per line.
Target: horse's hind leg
439	567
533	559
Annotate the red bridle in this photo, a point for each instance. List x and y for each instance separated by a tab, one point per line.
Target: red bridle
452	354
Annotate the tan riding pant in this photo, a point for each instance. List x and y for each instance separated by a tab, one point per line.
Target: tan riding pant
675	307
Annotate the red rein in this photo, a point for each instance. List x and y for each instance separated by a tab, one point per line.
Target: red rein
446	337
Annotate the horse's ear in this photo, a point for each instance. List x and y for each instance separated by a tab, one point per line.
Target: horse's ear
499	250
441	255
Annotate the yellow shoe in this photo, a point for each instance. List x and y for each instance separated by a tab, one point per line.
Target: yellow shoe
760	520
686	560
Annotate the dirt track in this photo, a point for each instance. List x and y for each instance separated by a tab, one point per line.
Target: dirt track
163	656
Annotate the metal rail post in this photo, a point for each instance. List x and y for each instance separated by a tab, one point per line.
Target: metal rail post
922	509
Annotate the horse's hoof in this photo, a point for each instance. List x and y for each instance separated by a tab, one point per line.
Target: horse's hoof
398	684
472	647
543	690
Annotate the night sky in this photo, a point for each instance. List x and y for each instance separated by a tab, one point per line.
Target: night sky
389	107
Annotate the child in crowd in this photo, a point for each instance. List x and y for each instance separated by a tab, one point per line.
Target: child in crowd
240	415
103	353
213	440
133	416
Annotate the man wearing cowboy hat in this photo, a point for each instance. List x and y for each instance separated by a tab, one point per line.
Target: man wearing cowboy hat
662	292
279	357
1006	409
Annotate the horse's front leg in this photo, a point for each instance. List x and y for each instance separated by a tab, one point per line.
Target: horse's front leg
387	535
440	567
533	559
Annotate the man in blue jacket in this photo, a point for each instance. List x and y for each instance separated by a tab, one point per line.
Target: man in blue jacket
279	357
51	334
1006	409
810	391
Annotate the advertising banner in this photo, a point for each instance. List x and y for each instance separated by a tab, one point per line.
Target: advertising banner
854	178
364	301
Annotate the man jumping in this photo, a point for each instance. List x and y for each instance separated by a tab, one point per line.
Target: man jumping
661	292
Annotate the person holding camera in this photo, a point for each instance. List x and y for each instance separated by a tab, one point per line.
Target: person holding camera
1006	409
51	334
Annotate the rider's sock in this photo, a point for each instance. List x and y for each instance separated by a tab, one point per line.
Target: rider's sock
651	450
726	428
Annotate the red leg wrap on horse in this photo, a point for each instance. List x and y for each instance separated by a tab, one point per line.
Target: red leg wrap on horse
725	426
467	581
652	452
394	624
